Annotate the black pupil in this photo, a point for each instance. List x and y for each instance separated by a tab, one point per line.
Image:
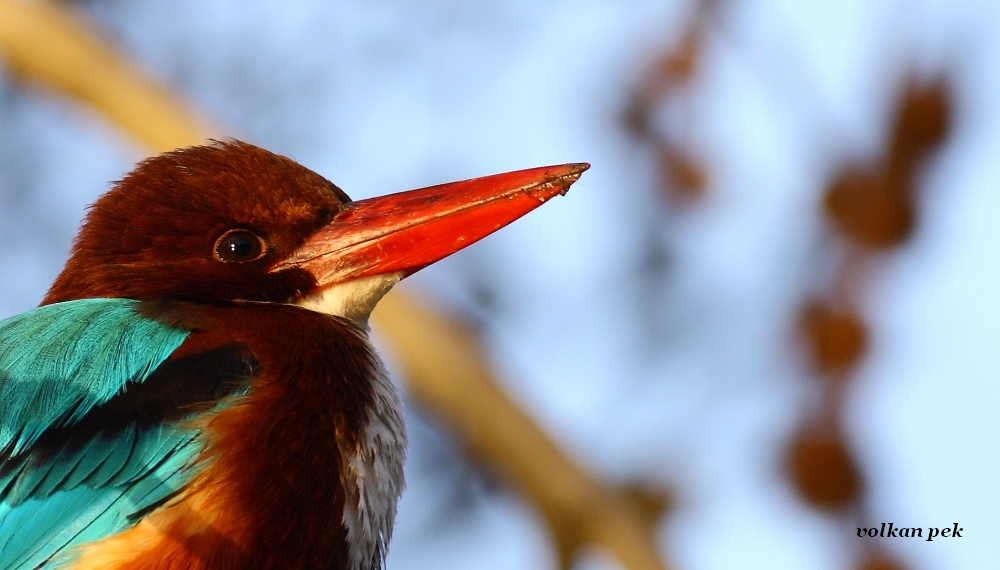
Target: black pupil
240	246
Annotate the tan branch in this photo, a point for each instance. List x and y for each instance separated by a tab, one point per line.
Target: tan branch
445	368
43	43
447	372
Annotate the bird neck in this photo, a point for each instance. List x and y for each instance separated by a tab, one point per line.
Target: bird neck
318	445
304	471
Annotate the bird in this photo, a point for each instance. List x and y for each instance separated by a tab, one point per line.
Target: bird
198	390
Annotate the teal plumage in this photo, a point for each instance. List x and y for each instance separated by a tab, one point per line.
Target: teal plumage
57	363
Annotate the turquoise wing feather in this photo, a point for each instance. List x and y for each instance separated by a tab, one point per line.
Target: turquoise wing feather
57	364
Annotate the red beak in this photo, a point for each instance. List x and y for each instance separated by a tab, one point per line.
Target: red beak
408	231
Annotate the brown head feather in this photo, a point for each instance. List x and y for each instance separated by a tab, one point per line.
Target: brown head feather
153	234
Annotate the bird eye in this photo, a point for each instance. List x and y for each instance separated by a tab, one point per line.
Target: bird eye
238	245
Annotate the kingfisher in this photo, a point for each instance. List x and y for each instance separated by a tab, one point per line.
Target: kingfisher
197	389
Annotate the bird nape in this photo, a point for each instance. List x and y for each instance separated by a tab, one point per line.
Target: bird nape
198	390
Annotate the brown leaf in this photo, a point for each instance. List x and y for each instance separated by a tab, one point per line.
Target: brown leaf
678	65
871	206
837	339
880	561
921	123
822	469
683	177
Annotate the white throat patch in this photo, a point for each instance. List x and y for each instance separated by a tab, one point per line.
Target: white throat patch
353	299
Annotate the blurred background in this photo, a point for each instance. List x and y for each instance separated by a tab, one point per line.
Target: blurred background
770	308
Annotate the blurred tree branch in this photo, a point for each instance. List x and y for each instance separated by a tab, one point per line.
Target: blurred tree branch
873	206
446	371
42	43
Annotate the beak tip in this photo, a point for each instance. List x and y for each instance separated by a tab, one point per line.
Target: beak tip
573	171
568	174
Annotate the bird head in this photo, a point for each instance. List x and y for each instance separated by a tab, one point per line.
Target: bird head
230	221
